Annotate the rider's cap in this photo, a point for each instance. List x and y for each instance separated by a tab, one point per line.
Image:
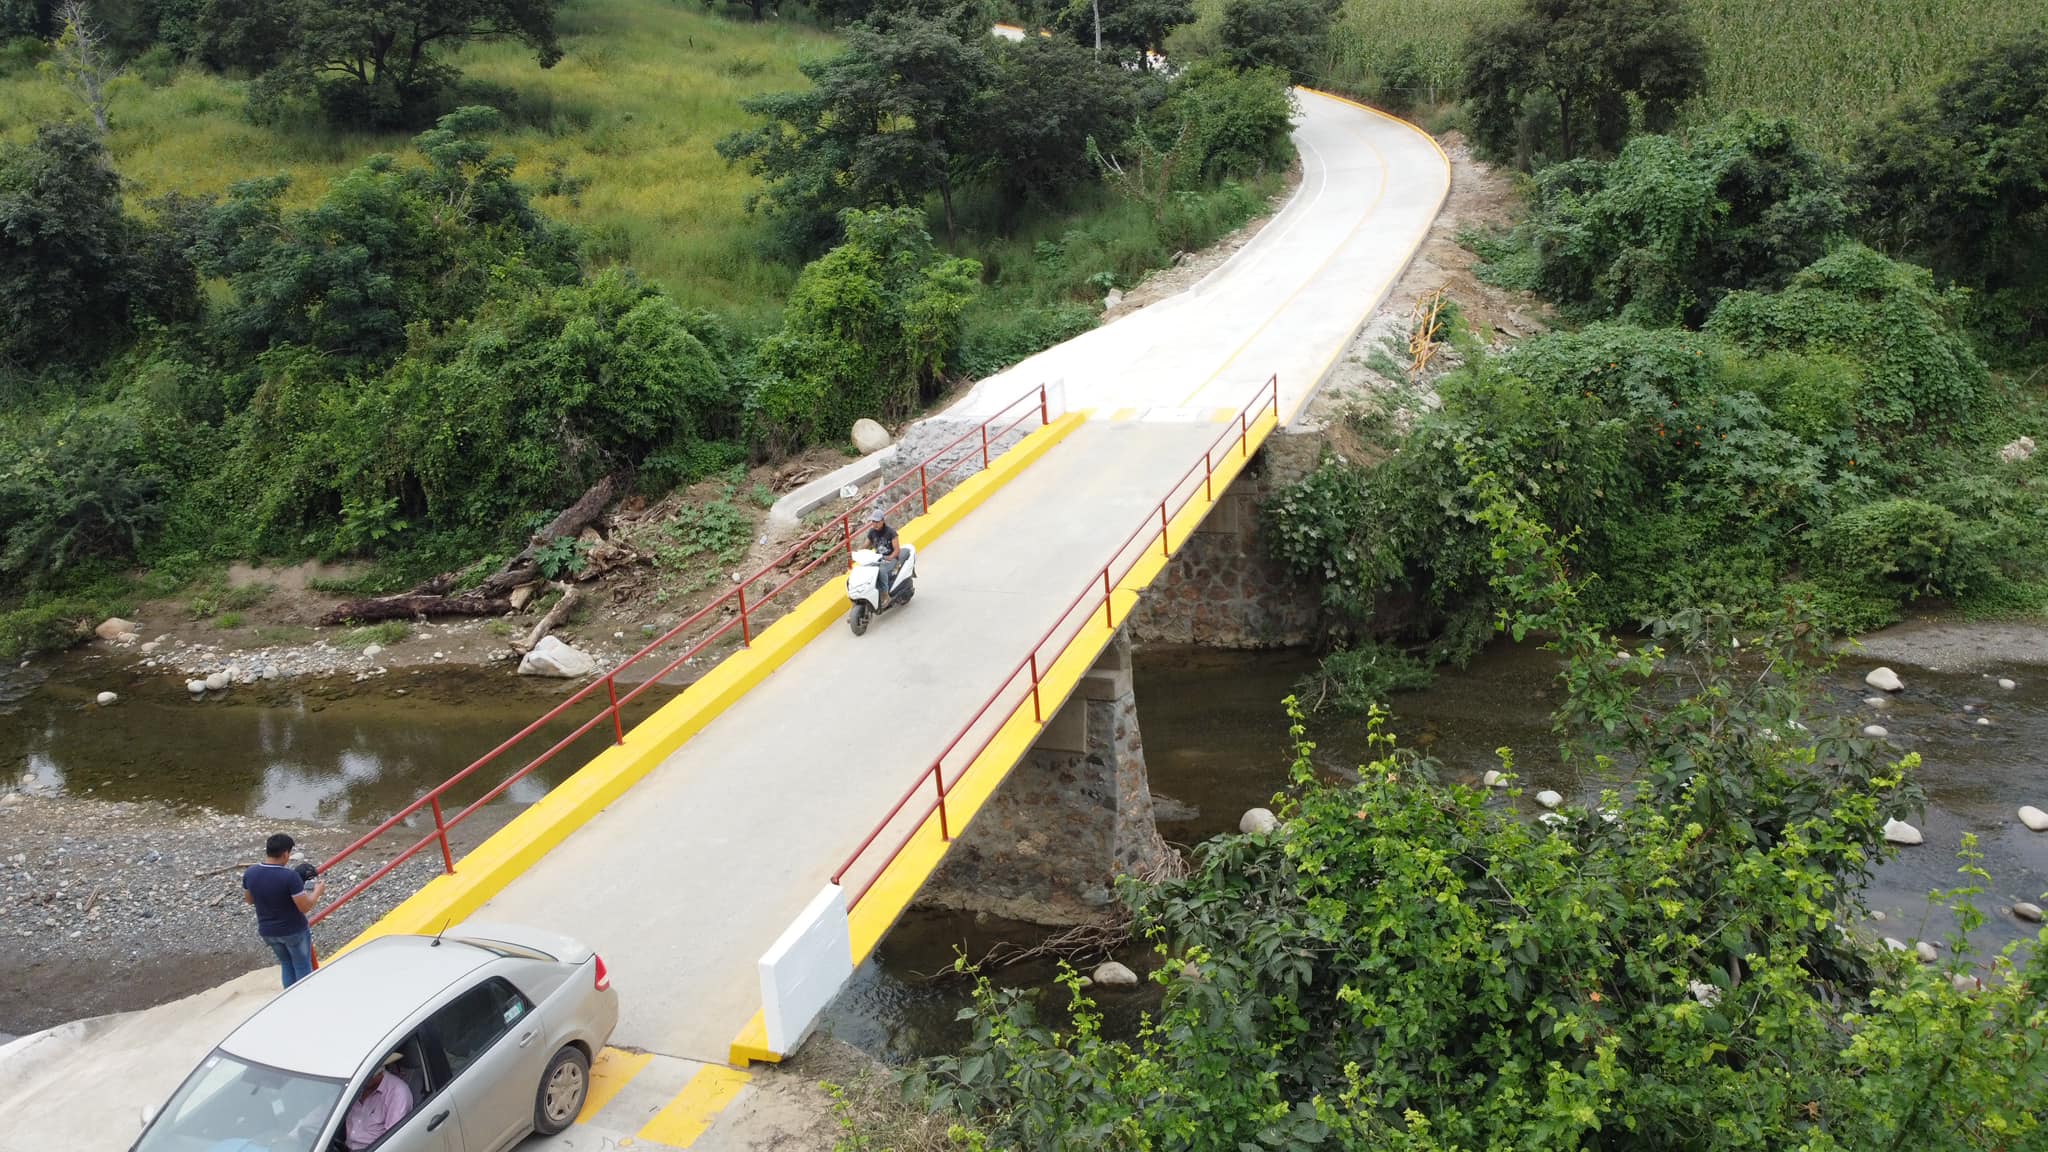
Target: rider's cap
875	516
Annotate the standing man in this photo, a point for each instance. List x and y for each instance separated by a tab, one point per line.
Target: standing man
282	901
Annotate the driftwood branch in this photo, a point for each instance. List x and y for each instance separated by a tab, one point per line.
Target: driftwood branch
407	606
555	616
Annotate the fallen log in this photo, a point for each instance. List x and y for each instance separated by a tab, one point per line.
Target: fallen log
491	597
407	606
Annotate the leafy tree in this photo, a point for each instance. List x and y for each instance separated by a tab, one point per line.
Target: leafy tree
886	122
81	59
389	246
80	486
1135	30
70	261
1565	78
1959	181
867	331
1662	232
1291	35
1053	97
1237	121
249	36
381	63
30	19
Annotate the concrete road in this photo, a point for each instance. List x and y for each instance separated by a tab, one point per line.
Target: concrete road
1286	303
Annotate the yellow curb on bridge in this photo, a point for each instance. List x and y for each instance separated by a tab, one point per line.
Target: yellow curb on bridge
898	883
486	870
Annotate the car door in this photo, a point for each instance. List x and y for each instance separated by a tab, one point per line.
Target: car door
432	1125
491	1040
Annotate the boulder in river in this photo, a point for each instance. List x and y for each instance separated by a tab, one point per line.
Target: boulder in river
551	657
1895	944
1925	952
217	681
106	698
1877	701
373	651
1876	731
1257	822
1884	680
113	628
869	436
2007	684
196	687
1549	799
2028	912
1900	832
1110	974
1494	779
2035	819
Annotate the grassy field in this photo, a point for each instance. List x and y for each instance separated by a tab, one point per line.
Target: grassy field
618	135
1829	63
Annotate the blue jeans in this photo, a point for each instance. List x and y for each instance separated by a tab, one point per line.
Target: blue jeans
294	954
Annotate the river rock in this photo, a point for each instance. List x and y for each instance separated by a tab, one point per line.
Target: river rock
2028	912
869	436
2035	819
1110	974
196	687
1900	832
113	628
2007	684
106	698
2017	450
1895	944
1257	822
1877	702
1925	952
1876	731
150	648
372	652
1114	297
1983	721
217	681
1884	680
1549	799
1494	779
551	657
1964	983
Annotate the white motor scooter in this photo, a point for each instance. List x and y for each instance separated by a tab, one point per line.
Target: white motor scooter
863	586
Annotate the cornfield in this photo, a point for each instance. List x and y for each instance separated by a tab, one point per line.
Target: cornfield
1831	64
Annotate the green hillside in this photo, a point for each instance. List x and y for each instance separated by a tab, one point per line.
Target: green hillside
617	138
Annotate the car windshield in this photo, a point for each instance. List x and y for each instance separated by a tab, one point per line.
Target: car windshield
230	1105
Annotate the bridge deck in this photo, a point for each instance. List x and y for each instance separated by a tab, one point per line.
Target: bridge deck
686	881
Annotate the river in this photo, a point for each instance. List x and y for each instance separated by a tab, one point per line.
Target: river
1215	741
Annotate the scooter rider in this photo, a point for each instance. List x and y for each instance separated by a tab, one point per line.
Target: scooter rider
882	540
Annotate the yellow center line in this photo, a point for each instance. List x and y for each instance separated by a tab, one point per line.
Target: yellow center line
696	1107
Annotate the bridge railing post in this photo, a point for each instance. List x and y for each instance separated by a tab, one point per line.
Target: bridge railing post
939	786
1044	408
611	687
924	492
1165	552
746	630
1108	616
441	830
1208	478
1037	712
984	447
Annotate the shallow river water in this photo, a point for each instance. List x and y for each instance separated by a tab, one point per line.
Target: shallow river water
1215	741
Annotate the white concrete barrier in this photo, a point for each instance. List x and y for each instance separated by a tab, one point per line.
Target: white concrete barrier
805	968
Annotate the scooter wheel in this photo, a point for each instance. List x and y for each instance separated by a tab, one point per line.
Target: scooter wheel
858	619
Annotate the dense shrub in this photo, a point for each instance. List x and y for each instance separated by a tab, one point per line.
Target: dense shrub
1662	232
1229	123
1906	544
869	328
83	485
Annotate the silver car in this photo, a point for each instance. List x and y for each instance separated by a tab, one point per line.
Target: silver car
491	1031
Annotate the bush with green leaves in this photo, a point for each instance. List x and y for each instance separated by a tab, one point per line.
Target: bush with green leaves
79	486
1659	234
867	333
1232	123
1409	963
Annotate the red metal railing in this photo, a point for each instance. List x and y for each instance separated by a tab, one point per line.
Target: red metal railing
1024	679
834	538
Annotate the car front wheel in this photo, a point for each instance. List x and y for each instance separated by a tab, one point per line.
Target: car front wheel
563	1088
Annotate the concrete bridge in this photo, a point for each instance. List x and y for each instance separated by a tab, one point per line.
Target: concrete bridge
737	854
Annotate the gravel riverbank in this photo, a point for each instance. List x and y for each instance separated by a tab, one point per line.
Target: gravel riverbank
108	906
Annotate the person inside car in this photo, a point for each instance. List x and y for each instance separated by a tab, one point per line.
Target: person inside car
382	1105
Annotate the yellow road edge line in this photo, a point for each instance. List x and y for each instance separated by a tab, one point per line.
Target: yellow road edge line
898	884
488	868
696	1107
751	1045
613	1069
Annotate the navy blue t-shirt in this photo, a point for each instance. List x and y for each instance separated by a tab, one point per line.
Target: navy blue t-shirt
271	887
